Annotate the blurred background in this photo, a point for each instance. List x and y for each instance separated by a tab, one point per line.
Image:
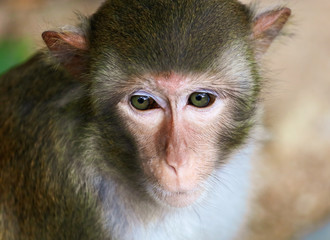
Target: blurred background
292	175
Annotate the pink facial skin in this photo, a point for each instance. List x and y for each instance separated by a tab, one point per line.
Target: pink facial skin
169	135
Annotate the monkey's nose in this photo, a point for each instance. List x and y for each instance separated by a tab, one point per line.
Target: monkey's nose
176	156
176	163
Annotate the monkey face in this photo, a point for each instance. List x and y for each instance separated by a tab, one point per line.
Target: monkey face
185	90
175	122
182	125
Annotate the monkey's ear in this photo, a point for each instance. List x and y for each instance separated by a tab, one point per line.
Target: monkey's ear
70	49
267	26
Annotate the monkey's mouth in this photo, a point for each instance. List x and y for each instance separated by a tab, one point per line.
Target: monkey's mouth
178	199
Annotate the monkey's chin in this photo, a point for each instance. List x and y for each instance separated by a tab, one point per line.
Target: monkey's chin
176	199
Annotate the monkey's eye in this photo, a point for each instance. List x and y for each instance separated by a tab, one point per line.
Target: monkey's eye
201	99
141	102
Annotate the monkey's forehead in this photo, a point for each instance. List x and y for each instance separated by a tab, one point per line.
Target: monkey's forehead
168	35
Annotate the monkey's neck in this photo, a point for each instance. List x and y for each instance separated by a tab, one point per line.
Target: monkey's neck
218	215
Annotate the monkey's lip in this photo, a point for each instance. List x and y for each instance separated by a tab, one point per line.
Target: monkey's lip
178	199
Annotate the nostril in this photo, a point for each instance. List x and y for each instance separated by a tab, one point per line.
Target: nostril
174	169
176	162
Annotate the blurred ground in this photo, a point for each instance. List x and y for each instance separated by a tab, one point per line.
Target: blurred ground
293	168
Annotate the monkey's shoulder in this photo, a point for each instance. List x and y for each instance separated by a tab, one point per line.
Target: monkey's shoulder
38	79
35	89
33	98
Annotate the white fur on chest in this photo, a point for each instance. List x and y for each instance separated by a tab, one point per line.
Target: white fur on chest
220	214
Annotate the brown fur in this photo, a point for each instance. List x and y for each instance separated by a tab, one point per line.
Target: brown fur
75	165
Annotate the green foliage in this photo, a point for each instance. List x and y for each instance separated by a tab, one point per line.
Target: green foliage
12	52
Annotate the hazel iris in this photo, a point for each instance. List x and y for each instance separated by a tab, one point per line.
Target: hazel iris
201	99
141	102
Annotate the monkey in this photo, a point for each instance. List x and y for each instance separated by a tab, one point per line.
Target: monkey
135	124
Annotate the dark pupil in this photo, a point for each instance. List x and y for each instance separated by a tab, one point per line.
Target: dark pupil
199	97
141	100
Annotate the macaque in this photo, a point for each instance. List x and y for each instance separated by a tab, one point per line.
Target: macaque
136	124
